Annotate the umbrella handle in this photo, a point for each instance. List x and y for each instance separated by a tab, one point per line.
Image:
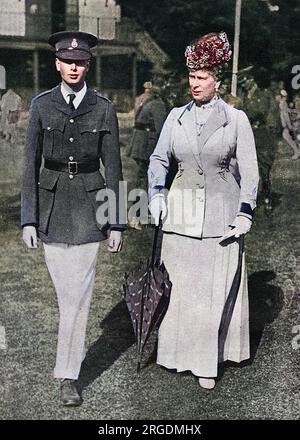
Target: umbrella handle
241	247
157	241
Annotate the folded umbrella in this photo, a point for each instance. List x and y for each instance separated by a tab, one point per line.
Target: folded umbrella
147	295
230	303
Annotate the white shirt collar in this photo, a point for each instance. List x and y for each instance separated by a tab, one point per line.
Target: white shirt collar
66	90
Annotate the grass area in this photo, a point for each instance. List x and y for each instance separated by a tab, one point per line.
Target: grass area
265	387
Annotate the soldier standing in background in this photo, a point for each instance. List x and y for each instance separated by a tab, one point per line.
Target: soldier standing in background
141	99
72	127
265	120
150	114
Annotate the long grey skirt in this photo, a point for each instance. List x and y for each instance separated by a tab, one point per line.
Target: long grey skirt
202	272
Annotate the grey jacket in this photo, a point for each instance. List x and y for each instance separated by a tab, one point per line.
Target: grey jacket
63	208
219	167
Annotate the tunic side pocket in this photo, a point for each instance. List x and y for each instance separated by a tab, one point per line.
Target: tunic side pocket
47	187
93	183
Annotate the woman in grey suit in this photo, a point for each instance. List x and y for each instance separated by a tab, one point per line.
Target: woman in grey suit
211	199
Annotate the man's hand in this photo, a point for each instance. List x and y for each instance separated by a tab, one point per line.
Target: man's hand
157	207
30	236
115	241
241	225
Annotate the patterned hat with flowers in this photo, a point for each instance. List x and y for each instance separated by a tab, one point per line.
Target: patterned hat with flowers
209	51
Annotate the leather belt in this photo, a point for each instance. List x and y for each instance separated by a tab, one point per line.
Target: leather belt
73	167
145	127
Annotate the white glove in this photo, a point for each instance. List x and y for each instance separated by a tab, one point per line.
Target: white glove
30	236
115	241
241	225
158	206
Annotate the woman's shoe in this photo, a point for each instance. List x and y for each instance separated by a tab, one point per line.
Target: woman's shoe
208	384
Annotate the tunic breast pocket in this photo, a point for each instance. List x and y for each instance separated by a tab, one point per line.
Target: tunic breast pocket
53	136
91	135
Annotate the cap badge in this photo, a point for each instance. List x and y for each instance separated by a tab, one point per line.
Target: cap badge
74	43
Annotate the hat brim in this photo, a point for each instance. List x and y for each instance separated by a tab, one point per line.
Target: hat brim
74	54
91	39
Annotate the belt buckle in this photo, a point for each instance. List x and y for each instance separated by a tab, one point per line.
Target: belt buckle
72	167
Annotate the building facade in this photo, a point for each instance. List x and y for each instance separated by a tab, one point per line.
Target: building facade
122	61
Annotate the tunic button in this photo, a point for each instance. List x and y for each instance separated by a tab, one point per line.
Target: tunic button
71	139
48	128
71	120
94	130
71	158
71	176
200	172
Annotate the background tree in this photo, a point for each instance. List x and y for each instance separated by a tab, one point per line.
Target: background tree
269	40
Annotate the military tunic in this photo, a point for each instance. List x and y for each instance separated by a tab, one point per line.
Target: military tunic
148	124
63	206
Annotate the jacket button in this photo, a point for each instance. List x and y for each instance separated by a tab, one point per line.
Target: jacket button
94	130
71	139
71	120
71	176
71	158
200	172
48	128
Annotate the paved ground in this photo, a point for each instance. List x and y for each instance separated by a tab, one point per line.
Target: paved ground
266	387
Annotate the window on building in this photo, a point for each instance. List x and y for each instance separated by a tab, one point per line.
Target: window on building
116	72
58	10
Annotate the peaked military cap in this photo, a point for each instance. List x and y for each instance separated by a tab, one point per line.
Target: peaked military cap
73	45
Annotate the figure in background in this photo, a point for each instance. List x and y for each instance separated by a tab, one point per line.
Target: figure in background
11	107
288	133
295	119
142	99
262	110
150	114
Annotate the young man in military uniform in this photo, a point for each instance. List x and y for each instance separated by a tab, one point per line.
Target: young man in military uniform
72	127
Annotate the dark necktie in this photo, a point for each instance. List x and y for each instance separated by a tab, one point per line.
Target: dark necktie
72	97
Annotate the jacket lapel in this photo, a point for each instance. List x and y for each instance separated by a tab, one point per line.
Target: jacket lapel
187	120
